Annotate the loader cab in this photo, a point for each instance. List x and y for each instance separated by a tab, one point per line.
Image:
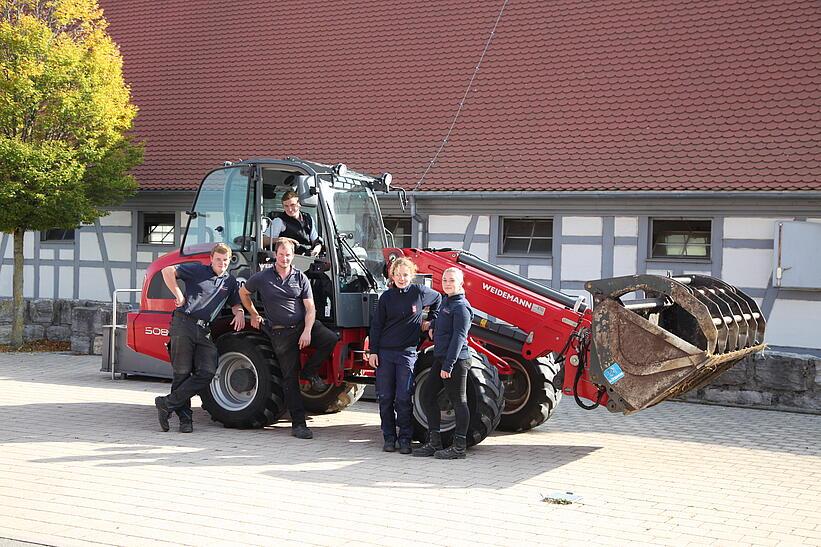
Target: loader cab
237	203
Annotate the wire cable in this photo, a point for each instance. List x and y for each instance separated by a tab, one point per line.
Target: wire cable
464	98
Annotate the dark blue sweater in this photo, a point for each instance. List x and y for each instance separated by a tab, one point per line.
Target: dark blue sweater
450	331
398	319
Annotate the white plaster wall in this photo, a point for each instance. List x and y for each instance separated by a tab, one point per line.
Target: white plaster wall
122	279
28	281
144	256
65	254
65	288
118	246
48	254
28	245
627	227
582	226
624	260
791	324
482	226
656	272
581	262
482	250
94	284
5	280
511	268
748	228
140	278
448	224
747	267
46	288
538	271
89	248
116	218
446	244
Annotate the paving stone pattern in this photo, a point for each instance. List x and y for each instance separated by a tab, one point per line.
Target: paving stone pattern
84	463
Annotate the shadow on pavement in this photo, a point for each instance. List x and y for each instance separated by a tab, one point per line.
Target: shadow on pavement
340	454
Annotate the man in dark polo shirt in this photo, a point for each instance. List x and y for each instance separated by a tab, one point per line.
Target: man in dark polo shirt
290	323
194	356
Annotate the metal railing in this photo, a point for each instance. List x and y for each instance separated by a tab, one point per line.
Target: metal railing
112	339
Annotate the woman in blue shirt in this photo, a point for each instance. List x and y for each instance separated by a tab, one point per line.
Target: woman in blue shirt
450	369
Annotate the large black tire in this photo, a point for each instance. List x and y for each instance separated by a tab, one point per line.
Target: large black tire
246	391
530	397
485	401
333	399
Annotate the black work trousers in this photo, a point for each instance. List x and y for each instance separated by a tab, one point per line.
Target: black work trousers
285	343
456	390
194	359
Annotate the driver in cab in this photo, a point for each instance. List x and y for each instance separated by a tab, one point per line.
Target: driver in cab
294	224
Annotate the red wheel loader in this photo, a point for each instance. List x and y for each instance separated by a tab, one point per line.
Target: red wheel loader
644	340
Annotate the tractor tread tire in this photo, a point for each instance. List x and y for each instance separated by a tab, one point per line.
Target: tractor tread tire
543	399
485	399
268	404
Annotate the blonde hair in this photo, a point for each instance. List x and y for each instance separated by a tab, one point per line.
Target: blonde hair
403	261
459	274
222	249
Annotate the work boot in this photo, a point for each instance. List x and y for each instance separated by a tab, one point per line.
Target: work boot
404	447
455	451
317	383
389	446
429	448
301	431
186	426
163	412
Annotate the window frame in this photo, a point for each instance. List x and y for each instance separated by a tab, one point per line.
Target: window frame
62	241
651	240
550	238
141	227
395	220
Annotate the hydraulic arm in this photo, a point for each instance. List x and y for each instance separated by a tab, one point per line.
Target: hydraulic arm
674	335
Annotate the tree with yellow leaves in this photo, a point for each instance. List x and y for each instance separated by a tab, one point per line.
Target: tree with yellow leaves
65	110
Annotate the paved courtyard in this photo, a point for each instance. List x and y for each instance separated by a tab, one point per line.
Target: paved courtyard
82	461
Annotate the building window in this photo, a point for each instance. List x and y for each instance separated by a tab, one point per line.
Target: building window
400	227
527	236
157	228
57	235
681	238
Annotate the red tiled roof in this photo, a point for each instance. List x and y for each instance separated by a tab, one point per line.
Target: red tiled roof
611	95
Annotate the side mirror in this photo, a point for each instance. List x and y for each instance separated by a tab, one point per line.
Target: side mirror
305	188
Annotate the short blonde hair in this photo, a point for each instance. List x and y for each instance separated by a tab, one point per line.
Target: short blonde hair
222	249
403	261
457	272
285	241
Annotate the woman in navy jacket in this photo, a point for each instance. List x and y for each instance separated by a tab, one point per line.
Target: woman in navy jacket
394	336
450	368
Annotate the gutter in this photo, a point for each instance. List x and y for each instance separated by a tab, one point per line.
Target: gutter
735	194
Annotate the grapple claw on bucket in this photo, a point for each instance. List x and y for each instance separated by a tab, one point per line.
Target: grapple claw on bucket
684	332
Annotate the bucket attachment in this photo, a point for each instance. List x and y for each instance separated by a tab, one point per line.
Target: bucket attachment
685	332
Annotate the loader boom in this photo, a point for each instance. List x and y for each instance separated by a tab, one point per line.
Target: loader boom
626	354
550	321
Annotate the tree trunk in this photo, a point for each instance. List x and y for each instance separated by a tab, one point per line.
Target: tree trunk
17	290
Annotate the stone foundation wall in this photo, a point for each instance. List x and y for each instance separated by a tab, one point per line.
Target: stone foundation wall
78	321
775	380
